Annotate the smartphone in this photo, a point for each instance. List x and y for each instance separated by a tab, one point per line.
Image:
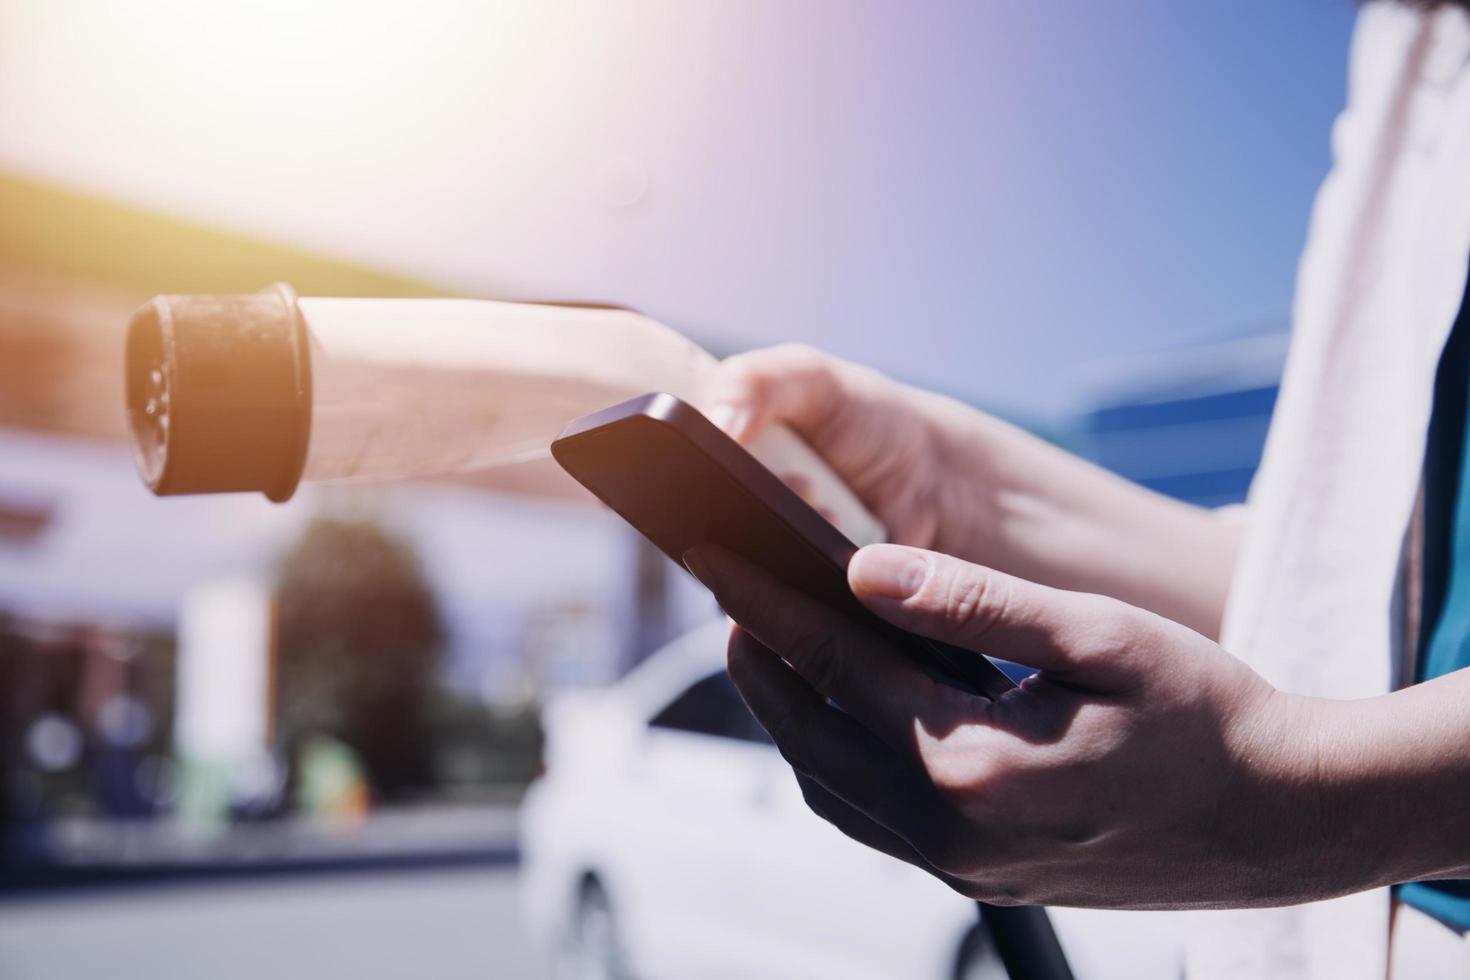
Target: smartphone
682	483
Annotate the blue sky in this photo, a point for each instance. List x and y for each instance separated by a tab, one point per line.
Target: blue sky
1038	188
979	197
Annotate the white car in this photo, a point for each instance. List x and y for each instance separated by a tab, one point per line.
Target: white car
667	840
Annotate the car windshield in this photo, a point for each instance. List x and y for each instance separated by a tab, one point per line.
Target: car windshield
711	706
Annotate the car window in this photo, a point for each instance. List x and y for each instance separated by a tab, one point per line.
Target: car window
711	706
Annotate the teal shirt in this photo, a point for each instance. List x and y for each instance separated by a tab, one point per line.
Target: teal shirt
1444	644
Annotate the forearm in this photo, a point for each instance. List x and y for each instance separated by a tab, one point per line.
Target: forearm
1395	784
1056	519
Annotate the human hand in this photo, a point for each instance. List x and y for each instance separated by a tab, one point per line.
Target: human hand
1142	767
939	474
879	436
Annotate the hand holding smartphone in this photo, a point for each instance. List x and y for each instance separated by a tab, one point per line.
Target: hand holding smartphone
682	483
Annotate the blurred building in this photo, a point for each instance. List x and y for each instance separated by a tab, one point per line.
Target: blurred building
1189	423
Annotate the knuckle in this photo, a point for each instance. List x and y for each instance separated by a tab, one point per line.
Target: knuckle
789	733
801	364
741	378
1113	628
973	601
788	377
800	356
816	655
758	368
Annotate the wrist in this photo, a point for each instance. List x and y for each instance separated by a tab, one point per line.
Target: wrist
1277	817
1394	784
1017	503
995	482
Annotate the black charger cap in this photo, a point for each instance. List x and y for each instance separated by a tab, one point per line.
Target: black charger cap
219	393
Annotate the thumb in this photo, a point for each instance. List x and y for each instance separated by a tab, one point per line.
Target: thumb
1091	640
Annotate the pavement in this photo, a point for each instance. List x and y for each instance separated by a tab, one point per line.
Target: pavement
446	923
83	850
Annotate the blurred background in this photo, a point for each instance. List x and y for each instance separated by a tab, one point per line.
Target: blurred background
240	739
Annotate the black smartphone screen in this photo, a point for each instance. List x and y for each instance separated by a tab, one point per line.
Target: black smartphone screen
682	483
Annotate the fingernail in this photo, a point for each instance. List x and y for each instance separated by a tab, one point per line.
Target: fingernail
697	567
731	420
888	570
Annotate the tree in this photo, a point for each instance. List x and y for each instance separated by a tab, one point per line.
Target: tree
359	635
